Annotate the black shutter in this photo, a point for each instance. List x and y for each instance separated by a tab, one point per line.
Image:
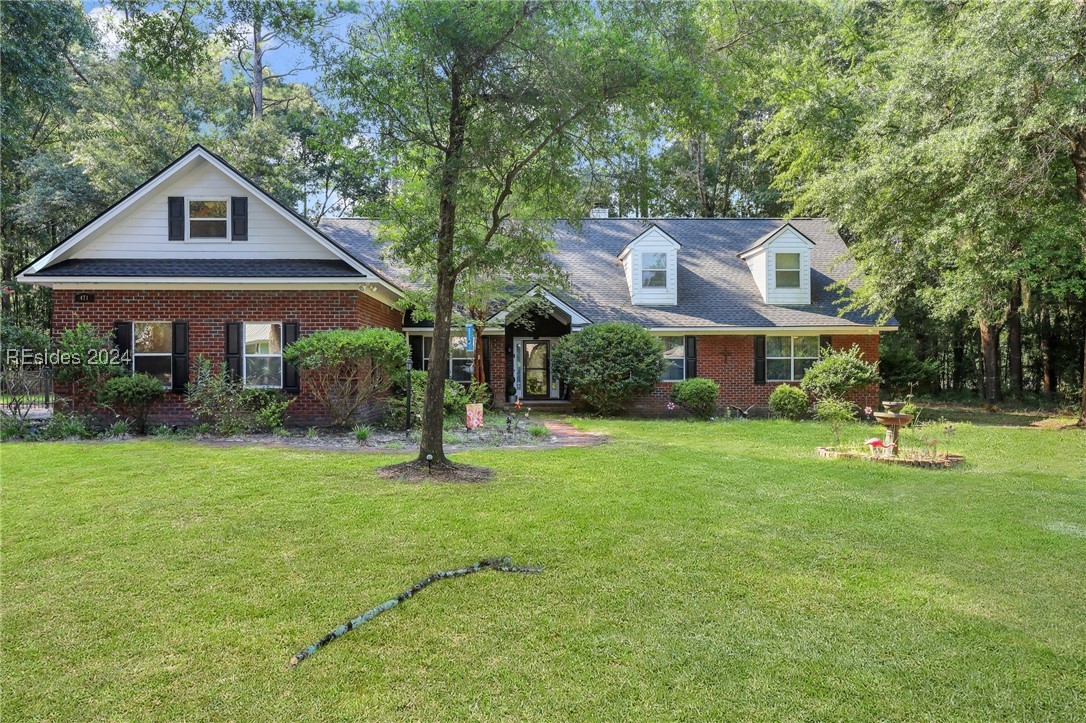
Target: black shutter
759	360
233	350
291	381
180	365
691	357
122	339
416	343
825	342
486	358
510	380
239	218
177	218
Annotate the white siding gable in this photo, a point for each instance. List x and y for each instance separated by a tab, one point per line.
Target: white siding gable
141	231
653	241
762	262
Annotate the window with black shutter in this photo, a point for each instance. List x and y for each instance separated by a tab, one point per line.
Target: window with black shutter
239	218
176	213
180	360
291	380
759	360
691	357
233	350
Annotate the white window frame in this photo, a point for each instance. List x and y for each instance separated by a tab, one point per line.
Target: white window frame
427	347
167	385
798	270
792	358
188	220
654	269
682	345
245	356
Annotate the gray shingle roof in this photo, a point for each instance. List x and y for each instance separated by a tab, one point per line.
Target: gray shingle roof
716	289
232	268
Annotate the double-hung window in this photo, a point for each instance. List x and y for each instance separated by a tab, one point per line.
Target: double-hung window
787	358
787	271
263	364
207	219
152	350
461	361
654	270
675	358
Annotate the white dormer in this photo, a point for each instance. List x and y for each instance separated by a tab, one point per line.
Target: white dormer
651	265
781	264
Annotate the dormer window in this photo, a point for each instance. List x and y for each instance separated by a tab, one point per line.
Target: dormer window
788	266
207	219
654	270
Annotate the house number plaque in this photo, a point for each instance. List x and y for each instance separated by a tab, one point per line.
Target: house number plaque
84	298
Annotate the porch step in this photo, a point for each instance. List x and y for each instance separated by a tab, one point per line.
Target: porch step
551	405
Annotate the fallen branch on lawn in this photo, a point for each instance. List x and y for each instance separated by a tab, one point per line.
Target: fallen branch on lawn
501	564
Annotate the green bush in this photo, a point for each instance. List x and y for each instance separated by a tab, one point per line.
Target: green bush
456	398
65	426
346	369
836	411
789	402
608	364
838	372
132	395
537	430
13	428
92	360
697	396
120	428
214	398
264	410
362	433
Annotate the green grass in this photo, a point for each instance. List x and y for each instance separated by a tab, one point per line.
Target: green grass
693	571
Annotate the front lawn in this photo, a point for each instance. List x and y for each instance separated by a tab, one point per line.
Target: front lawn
693	571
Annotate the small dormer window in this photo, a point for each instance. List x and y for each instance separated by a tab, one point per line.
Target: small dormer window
788	266
207	219
654	270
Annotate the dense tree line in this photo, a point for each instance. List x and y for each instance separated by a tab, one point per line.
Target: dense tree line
947	142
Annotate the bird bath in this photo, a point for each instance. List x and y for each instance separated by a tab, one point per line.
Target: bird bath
894	421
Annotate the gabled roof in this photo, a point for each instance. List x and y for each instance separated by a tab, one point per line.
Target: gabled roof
650	229
716	290
576	318
41	266
218	268
764	240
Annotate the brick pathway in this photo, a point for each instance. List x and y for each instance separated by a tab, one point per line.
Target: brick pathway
566	435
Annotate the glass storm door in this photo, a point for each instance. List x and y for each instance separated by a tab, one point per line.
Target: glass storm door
537	369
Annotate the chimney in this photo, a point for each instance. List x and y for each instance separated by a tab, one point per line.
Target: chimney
599	212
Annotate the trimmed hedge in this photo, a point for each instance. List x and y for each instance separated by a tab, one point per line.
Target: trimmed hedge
789	402
608	364
697	396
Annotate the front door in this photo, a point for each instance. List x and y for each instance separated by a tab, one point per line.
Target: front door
537	369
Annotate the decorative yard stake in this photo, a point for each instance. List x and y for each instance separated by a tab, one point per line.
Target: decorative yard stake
501	564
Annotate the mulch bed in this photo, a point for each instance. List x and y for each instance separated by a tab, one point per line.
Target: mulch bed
943	462
416	471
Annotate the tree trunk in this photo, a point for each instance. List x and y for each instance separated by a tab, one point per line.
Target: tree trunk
1048	359
432	443
699	171
1082	406
958	371
1014	340
258	70
989	349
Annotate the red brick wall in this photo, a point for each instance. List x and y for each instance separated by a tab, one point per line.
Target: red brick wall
497	369
207	312
729	361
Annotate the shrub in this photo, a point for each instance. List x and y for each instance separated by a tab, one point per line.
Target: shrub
65	426
120	428
214	398
789	402
264	410
362	433
13	428
838	372
609	363
345	369
132	395
697	396
836	411
93	360
457	397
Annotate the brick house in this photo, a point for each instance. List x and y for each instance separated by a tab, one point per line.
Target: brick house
199	261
